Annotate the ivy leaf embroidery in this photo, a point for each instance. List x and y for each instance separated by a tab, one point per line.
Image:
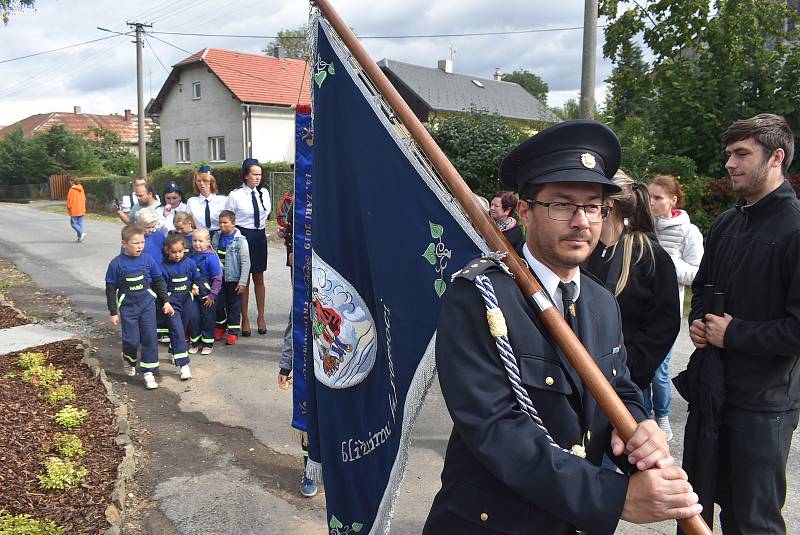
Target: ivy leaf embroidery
429	254
335	524
320	77
439	285
331	70
436	230
356	526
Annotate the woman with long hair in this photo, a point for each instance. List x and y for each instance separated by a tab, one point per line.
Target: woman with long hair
206	205
684	243
629	261
252	205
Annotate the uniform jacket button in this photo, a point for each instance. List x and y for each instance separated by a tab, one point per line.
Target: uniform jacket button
484	517
614	372
549	381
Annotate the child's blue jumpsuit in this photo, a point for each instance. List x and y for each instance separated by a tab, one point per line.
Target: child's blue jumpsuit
180	277
229	306
136	305
210	269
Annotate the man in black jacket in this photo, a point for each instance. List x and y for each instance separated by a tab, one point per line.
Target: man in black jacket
753	255
510	471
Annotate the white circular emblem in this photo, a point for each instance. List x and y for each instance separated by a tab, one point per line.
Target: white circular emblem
341	327
588	160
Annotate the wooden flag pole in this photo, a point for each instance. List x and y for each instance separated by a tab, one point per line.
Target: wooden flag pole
573	349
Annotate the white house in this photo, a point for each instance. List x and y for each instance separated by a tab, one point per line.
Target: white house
223	106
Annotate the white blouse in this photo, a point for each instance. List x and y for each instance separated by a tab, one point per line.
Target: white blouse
240	202
197	206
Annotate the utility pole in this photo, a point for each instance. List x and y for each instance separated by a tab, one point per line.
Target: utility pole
589	66
140	96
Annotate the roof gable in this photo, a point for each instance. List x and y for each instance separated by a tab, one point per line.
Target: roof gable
443	91
127	130
251	78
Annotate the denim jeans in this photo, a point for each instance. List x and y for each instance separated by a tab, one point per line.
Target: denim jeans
76	222
661	388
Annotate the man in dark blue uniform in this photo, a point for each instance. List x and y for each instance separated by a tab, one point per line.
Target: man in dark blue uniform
503	472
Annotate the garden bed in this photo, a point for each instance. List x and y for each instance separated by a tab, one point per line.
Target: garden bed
27	434
10	317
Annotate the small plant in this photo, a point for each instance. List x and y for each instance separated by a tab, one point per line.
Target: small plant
25	525
42	375
71	417
29	360
68	445
10	375
60	393
60	474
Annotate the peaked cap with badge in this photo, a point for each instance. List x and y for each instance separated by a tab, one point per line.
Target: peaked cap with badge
572	151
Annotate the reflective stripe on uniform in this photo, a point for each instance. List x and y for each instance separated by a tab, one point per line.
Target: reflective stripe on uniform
234	326
162	330
208	287
152	292
207	340
131	359
195	338
134	279
148	365
180	279
222	322
178	356
120	299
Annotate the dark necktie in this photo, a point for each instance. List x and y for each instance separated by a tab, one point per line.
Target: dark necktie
568	298
256	213
208	215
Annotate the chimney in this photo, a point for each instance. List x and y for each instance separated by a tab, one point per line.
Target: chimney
128	116
76	110
497	76
279	52
446	65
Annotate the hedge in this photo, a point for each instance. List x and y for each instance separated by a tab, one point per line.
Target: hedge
102	190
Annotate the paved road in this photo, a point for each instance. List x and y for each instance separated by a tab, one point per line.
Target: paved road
219	454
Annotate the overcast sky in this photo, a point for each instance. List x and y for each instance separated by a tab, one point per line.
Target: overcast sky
101	77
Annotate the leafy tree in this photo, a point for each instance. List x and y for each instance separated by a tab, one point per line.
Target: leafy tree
154	148
571	109
629	86
69	153
531	82
292	41
113	155
9	6
714	63
475	142
21	161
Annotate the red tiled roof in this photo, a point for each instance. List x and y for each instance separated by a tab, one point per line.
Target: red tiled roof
255	78
78	123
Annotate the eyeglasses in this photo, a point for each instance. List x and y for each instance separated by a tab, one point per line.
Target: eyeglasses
563	211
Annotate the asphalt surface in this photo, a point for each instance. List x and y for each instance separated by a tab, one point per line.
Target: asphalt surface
217	453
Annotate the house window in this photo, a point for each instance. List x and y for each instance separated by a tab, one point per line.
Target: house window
182	150
196	91
216	149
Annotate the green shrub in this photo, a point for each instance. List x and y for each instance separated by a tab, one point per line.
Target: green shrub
29	360
68	445
71	417
706	198
60	474
10	375
102	190
60	393
43	376
25	525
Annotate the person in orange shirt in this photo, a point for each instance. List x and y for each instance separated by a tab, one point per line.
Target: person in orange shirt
76	207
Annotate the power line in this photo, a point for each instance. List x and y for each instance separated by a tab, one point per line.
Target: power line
418	36
57	49
153	51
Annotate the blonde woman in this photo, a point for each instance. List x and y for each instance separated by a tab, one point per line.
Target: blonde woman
207	204
630	263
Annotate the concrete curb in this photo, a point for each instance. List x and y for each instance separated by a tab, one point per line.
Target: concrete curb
127	467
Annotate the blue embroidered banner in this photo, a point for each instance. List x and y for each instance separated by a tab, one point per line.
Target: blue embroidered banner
301	268
387	238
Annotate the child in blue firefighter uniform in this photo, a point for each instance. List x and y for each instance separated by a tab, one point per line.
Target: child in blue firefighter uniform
133	283
211	270
183	278
234	254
